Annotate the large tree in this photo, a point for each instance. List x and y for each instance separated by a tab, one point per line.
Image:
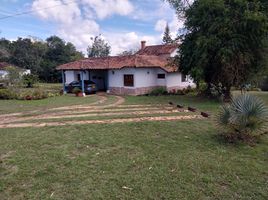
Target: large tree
99	48
26	55
5	49
226	41
42	57
58	52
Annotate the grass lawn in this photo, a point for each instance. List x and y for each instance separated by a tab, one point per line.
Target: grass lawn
11	106
147	160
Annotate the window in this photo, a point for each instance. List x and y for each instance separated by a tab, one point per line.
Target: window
129	80
161	76
183	78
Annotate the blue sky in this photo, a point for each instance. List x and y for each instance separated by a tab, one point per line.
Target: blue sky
123	23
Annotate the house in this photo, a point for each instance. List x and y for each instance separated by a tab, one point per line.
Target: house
4	71
136	74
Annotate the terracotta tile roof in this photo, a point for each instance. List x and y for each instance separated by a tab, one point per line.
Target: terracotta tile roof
158	50
119	62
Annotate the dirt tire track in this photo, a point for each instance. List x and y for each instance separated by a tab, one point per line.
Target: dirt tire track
106	121
142	112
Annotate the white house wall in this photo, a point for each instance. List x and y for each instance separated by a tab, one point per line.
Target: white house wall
3	73
145	79
174	81
69	76
116	77
161	82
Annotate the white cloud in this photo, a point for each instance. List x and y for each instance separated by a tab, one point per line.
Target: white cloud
174	25
122	41
150	10
76	21
106	8
160	25
68	18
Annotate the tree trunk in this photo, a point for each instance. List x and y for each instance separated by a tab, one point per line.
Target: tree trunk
197	85
227	94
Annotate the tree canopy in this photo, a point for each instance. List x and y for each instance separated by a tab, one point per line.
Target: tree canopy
128	52
41	57
99	48
226	41
167	37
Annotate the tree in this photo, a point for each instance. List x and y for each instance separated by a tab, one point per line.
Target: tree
128	53
4	50
58	52
99	48
14	75
29	80
41	57
226	42
26	54
167	38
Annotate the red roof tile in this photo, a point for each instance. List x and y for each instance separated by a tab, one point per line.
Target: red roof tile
158	50
118	62
157	56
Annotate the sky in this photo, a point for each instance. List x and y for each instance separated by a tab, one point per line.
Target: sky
122	23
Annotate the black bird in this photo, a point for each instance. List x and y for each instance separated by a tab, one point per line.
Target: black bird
204	114
191	109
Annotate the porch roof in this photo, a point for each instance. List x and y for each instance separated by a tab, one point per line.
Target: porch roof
119	62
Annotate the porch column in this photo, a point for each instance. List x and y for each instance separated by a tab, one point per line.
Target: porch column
83	84
63	81
107	81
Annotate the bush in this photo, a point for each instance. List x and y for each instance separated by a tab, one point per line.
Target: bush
76	90
181	92
158	91
184	91
32	94
244	118
29	80
217	91
264	84
7	94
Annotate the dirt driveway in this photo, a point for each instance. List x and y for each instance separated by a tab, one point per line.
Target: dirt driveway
103	111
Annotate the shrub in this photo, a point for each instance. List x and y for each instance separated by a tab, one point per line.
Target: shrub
32	94
14	75
244	118
181	92
29	80
264	84
76	90
217	91
7	94
158	91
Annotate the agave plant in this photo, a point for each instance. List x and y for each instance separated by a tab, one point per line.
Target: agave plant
245	115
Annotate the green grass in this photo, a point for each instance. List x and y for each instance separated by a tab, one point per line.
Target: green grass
154	160
186	100
11	106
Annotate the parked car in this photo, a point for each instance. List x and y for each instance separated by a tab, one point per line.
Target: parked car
90	86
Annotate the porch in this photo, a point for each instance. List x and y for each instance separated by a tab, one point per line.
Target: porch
98	76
